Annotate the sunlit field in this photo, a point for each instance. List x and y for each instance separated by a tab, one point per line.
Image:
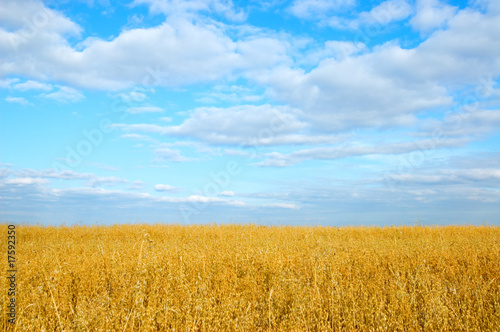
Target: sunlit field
255	278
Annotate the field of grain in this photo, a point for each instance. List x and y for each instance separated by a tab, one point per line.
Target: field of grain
255	278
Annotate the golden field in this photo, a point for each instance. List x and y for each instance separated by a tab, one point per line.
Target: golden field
255	278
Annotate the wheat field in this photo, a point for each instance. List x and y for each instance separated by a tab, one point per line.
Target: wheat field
255	278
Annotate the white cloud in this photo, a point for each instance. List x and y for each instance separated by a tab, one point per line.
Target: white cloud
141	197
477	123
448	183
33	40
244	125
201	199
96	193
26	181
488	176
91	179
144	109
229	93
18	100
6	83
465	53
263	52
386	12
65	94
389	85
36	177
170	155
32	85
197	146
34	20
276	159
328	13
166	187
339	50
180	52
283	206
132	96
238	124
493	6
54	174
340	95
431	14
5	165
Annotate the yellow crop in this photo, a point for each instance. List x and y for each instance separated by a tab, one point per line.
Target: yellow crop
255	278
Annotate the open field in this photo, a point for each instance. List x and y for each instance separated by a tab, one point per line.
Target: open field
251	278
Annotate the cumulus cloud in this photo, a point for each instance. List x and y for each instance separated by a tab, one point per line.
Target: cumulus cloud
30	22
180	51
390	84
386	12
245	125
431	14
229	93
339	50
340	95
237	124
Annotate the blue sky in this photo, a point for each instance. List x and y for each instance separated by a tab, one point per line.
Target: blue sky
302	112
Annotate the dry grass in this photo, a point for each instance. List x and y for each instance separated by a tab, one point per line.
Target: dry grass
252	278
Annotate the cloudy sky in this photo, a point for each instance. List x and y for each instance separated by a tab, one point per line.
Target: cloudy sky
302	112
